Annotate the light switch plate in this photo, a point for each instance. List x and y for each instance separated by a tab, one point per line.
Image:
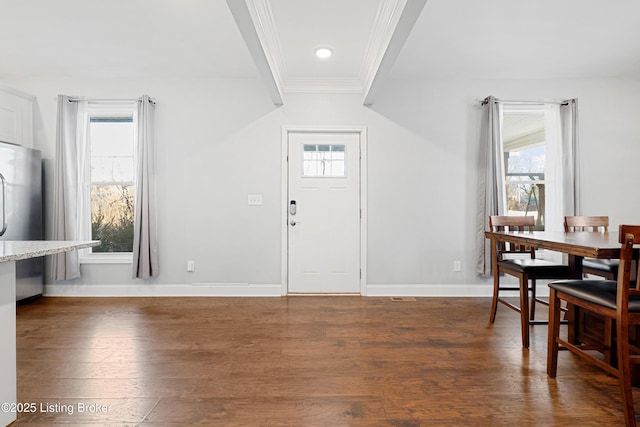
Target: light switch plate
254	199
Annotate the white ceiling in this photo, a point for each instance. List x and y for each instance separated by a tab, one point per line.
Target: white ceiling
203	38
345	26
121	38
523	39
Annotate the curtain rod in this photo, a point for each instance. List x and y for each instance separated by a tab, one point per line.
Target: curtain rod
510	101
110	100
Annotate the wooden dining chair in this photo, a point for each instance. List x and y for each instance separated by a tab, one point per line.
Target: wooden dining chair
607	268
618	301
527	269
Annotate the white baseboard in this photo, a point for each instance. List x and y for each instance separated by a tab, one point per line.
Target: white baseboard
461	290
435	290
150	290
267	290
424	290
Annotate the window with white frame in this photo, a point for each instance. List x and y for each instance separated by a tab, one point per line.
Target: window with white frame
524	149
324	160
109	178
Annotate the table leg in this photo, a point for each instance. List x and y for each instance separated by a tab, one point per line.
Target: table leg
575	268
496	283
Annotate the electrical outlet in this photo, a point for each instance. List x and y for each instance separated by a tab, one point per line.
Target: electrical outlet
191	265
254	199
457	265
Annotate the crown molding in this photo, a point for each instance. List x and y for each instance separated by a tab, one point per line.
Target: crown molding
327	85
266	29
394	20
14	91
251	23
265	24
384	26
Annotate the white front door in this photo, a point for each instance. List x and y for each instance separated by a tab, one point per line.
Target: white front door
324	212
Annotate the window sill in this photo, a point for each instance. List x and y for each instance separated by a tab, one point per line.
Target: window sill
112	258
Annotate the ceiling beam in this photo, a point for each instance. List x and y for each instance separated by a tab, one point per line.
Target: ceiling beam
249	28
399	34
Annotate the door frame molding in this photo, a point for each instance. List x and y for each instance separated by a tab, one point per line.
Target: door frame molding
362	132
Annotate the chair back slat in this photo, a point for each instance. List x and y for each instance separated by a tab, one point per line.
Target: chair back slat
586	223
627	236
512	223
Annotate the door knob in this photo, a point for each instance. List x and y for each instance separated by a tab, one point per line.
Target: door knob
293	223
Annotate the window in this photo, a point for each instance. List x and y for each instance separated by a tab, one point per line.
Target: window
110	177
323	160
530	165
524	145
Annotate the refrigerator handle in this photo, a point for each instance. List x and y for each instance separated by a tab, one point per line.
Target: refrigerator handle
4	204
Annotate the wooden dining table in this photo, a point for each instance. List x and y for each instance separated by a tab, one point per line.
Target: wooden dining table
577	245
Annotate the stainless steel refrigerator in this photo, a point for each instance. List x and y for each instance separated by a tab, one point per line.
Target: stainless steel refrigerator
21	211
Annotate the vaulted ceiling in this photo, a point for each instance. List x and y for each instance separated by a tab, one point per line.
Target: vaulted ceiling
373	40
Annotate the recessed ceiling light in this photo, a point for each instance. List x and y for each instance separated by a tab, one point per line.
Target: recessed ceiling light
323	52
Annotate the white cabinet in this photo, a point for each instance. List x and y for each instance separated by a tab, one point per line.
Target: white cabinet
16	117
8	375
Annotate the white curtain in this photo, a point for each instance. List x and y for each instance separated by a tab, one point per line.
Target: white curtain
570	156
70	163
491	185
553	171
561	172
145	244
561	168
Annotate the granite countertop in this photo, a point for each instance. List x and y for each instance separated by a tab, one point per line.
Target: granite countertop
13	250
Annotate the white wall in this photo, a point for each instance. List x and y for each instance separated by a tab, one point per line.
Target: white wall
219	140
442	160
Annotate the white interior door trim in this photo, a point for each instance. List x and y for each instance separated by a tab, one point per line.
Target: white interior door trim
362	131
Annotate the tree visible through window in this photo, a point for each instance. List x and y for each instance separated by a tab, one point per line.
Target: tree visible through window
524	141
112	172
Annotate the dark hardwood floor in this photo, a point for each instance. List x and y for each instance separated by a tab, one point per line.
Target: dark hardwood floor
296	361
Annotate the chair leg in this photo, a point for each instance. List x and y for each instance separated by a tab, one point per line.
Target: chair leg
624	372
532	312
524	309
496	289
554	332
